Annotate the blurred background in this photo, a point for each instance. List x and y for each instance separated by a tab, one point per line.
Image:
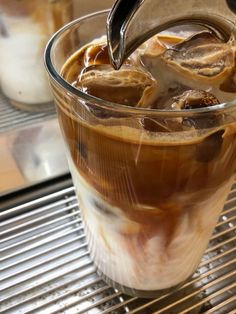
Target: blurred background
31	148
82	7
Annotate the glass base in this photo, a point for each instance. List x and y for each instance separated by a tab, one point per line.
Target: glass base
147	294
33	107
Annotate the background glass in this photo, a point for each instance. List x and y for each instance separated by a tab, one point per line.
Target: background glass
25	27
149	198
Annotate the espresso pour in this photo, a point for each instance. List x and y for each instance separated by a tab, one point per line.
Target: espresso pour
130	23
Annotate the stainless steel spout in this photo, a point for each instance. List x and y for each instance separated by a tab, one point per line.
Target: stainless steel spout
131	22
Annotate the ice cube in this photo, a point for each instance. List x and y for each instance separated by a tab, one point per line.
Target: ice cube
152	47
96	53
129	86
162	124
203	58
195	99
201	61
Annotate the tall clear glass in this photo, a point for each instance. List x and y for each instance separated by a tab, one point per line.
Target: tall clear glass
149	198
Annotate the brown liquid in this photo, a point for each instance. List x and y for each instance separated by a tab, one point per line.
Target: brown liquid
134	175
155	170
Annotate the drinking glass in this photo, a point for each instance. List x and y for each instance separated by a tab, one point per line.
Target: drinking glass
150	197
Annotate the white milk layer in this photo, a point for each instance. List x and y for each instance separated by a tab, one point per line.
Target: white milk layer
22	74
151	266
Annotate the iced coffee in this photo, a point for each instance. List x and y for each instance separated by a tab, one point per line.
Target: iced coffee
152	152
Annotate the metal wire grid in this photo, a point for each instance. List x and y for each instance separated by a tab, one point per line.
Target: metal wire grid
12	118
46	268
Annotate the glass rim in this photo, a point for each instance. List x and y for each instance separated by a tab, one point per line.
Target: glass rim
53	73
